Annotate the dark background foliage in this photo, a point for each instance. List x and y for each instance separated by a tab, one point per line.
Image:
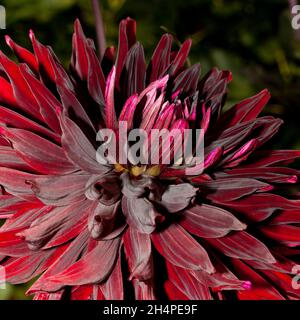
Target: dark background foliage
253	38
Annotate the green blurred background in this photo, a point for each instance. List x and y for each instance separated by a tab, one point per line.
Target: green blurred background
253	38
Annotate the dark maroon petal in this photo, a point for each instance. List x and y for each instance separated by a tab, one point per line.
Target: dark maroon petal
268	126
108	60
86	64
213	158
242	245
240	155
165	118
180	249
181	57
187	80
95	80
74	109
160	59
134	71
209	222
264	158
127	39
61	78
214	88
173	293
229	138
245	110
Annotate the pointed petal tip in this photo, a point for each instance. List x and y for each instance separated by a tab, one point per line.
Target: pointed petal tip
77	26
9	41
247	285
31	35
292	179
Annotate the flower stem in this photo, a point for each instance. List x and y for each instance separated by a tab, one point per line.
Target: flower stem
101	41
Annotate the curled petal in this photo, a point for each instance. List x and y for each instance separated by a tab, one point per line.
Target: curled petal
178	197
140	214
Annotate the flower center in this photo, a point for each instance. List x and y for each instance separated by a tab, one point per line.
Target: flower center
136	171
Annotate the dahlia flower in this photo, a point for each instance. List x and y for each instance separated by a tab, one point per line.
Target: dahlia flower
224	229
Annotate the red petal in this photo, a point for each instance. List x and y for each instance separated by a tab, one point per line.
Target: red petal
42	155
112	288
242	245
78	148
138	252
209	222
94	267
185	282
261	289
23	54
225	190
179	248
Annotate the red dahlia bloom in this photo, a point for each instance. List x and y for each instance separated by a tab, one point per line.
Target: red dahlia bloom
92	231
